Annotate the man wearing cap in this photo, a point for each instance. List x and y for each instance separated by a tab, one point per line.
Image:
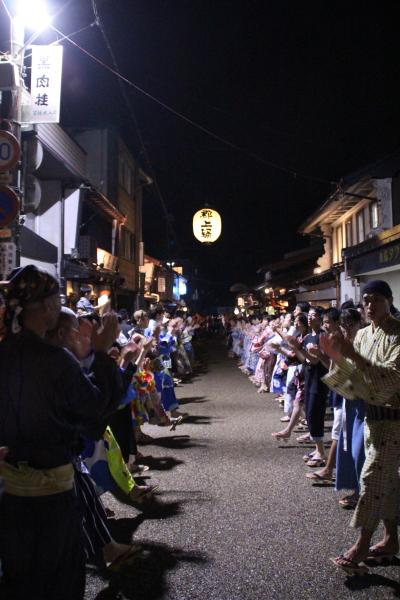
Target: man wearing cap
84	305
370	369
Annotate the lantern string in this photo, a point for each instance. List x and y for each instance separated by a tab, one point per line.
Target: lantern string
290	171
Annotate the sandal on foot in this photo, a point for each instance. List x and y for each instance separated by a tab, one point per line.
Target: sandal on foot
281	436
380	555
348	502
285	419
125	559
349	566
308	456
175	422
316	462
320	478
303	439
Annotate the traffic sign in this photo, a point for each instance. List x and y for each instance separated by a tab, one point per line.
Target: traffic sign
5	233
10	151
8	258
9	206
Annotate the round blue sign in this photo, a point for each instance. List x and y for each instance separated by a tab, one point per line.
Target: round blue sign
9	206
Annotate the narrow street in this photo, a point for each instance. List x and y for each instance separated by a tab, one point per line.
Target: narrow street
239	519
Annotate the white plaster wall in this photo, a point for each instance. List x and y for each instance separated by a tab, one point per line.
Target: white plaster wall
49	267
392	278
349	289
71	214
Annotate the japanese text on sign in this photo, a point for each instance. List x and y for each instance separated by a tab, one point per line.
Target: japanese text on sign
46	83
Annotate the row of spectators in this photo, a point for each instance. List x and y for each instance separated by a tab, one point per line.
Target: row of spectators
75	390
348	360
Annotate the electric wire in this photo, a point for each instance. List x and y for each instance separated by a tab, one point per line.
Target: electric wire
132	114
290	171
6	9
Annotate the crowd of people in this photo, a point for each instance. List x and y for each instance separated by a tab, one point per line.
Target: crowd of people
346	361
76	388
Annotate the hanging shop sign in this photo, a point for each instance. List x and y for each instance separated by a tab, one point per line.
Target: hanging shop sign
46	84
10	151
207	225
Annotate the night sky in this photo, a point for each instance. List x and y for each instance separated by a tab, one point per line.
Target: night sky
312	87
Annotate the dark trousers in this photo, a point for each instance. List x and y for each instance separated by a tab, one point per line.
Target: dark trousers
94	519
315	398
41	548
121	426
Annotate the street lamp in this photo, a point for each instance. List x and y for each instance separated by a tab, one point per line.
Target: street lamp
31	15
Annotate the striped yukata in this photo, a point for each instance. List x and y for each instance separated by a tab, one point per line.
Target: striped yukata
378	384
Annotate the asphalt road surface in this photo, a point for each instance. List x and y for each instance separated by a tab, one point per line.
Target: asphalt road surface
237	519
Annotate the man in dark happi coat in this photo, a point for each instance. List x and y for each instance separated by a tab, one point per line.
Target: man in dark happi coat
46	402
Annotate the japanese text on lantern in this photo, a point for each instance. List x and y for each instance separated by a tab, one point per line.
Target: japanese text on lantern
207	225
46	83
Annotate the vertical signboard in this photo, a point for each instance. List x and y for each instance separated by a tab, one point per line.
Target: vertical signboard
46	83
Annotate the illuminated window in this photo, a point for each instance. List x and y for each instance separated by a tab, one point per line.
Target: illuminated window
127	244
161	285
349	233
339	243
374	215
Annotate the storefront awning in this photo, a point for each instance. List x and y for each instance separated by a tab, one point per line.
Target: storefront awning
104	205
380	252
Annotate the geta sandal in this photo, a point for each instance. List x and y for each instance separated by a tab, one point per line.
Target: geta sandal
380	555
316	462
349	566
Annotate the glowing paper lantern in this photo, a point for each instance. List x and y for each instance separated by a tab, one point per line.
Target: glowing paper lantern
207	225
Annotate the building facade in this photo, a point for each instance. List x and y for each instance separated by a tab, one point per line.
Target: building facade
357	223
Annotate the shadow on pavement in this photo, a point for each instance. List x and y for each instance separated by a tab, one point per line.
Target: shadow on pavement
145	577
193	399
198	420
373	580
175	441
153	509
161	463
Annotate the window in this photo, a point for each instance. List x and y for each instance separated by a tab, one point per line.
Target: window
339	243
360	226
349	233
125	177
161	285
374	215
127	244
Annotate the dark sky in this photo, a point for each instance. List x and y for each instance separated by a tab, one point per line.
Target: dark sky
310	86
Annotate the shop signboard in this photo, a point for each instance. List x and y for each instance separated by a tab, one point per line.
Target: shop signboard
383	257
45	84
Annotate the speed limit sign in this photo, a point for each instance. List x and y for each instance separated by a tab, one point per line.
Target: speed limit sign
10	151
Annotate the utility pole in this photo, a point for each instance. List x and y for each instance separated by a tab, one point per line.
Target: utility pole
32	13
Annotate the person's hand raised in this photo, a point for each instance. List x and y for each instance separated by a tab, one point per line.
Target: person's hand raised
103	337
335	346
293	342
129	352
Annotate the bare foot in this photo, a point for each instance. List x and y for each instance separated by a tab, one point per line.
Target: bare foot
324	473
113	550
281	435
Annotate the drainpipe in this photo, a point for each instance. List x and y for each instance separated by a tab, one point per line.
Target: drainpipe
114	236
337	280
62	240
